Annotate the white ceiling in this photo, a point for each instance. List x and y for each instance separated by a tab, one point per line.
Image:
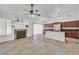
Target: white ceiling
46	10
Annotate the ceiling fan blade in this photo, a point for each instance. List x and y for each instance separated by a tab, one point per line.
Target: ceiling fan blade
38	14
26	14
26	10
36	10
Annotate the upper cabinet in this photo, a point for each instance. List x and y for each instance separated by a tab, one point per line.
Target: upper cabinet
48	25
71	24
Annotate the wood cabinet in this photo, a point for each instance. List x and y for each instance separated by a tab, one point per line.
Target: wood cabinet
48	25
71	24
73	33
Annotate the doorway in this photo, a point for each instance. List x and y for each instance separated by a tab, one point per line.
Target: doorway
37	29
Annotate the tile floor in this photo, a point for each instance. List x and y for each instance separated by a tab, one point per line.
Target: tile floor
38	45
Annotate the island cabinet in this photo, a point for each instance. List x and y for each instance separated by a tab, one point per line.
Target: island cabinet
55	35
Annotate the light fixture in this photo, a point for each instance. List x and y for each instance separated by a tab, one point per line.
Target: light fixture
32	15
32	11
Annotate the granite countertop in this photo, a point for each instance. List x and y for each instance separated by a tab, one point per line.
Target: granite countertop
55	30
70	29
61	30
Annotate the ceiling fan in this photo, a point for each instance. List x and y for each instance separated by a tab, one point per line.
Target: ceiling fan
32	11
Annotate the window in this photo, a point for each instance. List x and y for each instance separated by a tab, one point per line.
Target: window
5	27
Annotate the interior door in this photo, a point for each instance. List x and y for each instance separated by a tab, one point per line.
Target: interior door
37	29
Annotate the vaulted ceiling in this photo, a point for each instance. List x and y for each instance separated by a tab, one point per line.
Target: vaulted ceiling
46	10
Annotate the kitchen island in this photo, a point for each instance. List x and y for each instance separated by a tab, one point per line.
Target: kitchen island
55	35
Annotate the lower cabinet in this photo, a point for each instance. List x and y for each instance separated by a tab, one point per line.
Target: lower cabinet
72	34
